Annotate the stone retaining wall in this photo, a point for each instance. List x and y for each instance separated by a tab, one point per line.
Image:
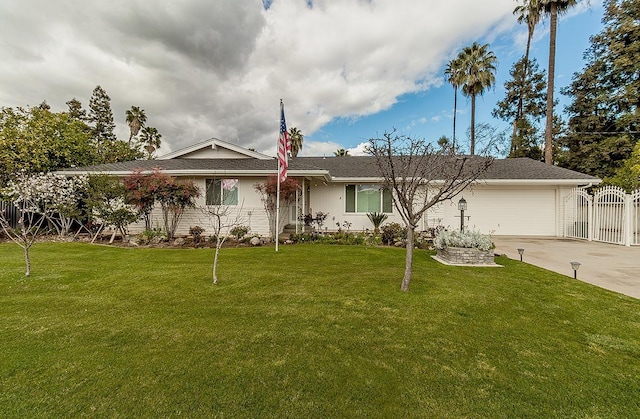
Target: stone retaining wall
466	256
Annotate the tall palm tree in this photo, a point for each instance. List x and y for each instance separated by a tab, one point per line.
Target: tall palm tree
455	76
150	139
296	137
552	8
479	73
341	153
529	13
136	118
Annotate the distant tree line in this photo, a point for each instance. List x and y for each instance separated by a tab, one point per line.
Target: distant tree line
600	136
35	139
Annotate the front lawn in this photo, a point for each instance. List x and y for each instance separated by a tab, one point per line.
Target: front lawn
312	331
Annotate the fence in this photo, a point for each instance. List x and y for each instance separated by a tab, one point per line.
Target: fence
610	215
10	212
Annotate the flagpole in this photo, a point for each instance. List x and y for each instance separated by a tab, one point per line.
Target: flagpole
277	227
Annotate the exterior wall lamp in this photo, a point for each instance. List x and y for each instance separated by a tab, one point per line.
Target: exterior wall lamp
462	207
575	266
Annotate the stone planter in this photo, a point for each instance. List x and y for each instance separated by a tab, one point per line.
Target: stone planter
466	256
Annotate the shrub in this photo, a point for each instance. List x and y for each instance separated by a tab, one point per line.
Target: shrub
393	232
377	218
467	239
196	233
239	232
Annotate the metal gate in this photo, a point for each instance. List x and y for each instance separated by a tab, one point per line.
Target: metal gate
634	209
610	215
577	213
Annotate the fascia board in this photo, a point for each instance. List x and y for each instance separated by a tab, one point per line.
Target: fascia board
539	182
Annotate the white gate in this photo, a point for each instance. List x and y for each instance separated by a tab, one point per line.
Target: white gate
610	215
577	214
634	209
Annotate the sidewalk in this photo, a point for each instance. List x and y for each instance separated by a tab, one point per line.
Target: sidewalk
616	268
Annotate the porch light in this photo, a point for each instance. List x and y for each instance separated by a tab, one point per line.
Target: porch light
575	266
462	207
520	252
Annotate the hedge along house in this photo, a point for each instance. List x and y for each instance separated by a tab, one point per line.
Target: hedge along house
514	197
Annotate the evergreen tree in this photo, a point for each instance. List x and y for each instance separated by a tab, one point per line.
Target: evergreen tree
604	116
524	106
101	117
76	111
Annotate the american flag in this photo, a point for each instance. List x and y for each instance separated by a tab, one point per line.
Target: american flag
284	147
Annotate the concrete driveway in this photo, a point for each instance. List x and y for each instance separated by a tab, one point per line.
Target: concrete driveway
616	268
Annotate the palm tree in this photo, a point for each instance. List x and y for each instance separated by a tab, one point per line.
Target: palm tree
150	139
479	73
296	137
529	12
136	119
455	76
341	153
552	8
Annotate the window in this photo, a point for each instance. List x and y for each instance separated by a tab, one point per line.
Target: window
222	191
367	198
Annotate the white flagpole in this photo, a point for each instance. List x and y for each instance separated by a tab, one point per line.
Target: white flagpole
277	227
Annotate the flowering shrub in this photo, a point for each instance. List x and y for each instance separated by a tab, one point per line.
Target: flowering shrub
467	239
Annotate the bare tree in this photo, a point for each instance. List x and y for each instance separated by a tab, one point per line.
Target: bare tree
267	191
419	178
222	220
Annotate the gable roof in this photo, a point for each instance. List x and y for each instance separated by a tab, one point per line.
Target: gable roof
215	143
237	161
338	169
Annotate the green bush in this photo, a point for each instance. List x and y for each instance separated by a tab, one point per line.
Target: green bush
392	233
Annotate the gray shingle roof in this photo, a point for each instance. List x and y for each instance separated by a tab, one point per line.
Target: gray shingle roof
337	167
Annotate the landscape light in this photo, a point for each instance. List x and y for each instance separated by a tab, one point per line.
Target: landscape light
575	266
520	252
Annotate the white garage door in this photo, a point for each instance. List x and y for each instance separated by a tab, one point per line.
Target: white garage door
512	211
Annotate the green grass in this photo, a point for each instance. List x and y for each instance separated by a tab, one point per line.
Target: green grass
313	331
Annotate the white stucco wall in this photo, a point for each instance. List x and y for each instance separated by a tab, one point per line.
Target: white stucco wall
492	209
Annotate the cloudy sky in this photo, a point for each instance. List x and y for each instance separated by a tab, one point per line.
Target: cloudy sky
346	69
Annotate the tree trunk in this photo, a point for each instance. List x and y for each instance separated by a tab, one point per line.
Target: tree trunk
215	261
408	263
472	150
455	111
548	134
27	261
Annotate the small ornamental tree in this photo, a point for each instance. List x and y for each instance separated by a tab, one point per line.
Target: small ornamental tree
141	191
26	192
63	198
420	177
268	194
223	220
174	198
107	207
145	190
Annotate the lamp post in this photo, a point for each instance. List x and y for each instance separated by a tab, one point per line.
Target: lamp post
575	266
462	207
520	252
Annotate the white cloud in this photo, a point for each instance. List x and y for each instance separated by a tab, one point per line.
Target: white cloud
205	69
